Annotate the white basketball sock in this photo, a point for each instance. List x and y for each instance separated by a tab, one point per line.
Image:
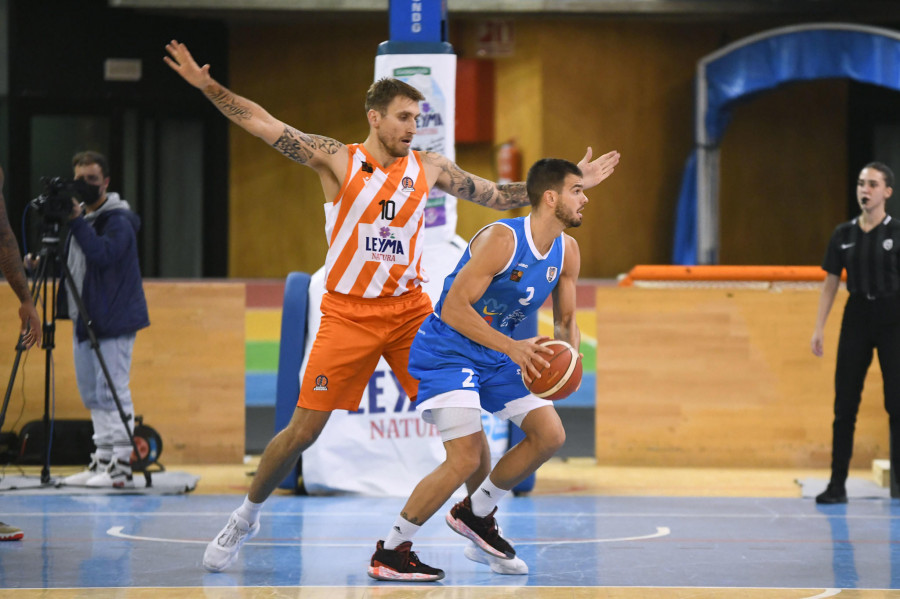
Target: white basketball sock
403	530
486	497
249	511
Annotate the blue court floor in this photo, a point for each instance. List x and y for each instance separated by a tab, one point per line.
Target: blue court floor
158	541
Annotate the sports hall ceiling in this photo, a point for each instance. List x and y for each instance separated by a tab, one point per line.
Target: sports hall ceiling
871	10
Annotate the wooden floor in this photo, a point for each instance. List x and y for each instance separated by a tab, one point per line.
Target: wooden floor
559	476
569	477
582	476
512	592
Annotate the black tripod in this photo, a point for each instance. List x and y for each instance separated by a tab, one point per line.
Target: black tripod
44	289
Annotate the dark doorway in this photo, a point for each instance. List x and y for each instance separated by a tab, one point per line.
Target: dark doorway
166	145
873	135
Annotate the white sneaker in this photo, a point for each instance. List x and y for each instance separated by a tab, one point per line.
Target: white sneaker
95	467
116	475
500	566
223	550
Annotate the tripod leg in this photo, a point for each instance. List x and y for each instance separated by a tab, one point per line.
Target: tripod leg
48	342
39	295
95	346
43	294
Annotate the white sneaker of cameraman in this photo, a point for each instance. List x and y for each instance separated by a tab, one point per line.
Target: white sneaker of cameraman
117	475
223	550
498	565
96	466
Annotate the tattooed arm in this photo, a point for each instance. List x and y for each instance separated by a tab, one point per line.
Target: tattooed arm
12	269
312	150
457	182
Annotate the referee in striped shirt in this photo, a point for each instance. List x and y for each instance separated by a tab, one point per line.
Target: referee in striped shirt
869	248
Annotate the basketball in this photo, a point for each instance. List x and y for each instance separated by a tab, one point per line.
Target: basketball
562	377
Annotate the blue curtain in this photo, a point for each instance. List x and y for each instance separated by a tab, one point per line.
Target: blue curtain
765	64
685	245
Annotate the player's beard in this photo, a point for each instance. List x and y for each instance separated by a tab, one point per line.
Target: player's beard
397	150
569	220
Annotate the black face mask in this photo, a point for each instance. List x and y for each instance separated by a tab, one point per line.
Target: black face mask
85	192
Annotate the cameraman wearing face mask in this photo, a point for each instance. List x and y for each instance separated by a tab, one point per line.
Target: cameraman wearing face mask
102	256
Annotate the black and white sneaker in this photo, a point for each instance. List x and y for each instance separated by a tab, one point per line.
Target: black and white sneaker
484	532
401	564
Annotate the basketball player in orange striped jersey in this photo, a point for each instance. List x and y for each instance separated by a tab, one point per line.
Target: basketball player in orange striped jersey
376	193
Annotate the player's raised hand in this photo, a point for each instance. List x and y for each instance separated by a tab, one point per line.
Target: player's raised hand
184	64
595	171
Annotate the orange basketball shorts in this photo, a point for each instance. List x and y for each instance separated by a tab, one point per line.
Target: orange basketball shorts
354	333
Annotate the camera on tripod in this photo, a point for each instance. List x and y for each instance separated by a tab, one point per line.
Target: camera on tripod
55	203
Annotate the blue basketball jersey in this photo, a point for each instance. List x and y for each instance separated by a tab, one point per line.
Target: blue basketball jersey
523	285
443	360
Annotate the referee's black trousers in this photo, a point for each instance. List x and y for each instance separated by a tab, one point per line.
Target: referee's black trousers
868	324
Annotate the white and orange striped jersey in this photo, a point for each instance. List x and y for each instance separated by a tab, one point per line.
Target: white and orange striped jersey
375	227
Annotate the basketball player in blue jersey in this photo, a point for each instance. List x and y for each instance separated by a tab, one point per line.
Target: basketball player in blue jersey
466	359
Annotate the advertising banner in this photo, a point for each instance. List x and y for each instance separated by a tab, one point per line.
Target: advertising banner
435	76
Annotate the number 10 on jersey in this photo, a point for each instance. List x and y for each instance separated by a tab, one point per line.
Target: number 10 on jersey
388	209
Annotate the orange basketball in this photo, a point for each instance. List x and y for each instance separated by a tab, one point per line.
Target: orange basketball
562	377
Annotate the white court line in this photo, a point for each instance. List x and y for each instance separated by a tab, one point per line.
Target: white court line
505	515
235	588
116	531
661	531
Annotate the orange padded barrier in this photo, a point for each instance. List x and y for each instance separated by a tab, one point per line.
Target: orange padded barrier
665	272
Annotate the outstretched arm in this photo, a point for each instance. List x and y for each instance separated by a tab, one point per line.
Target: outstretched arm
459	183
312	150
14	272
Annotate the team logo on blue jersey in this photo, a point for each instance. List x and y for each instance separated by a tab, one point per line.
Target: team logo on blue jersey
513	319
491	309
492	306
516	276
408	184
551	273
